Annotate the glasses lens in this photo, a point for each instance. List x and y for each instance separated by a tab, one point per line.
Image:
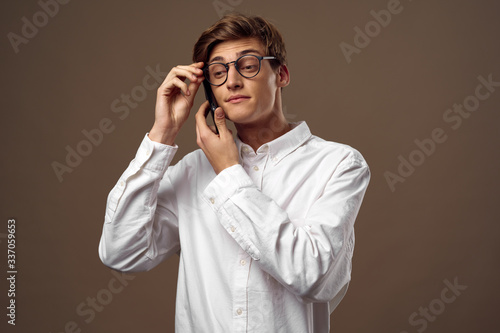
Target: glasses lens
248	66
216	73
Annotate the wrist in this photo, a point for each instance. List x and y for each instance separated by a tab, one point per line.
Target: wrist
225	166
163	135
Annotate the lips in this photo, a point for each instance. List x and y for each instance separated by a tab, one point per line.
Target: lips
237	99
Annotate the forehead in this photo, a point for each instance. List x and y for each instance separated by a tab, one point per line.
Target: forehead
231	49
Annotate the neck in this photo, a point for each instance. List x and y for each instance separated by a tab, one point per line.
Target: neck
255	135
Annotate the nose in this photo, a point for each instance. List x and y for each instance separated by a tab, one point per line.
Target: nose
234	79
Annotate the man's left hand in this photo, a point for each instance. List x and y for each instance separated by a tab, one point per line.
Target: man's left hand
221	149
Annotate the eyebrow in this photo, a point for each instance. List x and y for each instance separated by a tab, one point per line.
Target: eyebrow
239	54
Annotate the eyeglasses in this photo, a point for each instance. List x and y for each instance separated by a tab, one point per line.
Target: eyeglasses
247	65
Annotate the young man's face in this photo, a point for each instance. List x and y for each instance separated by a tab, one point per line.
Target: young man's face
248	101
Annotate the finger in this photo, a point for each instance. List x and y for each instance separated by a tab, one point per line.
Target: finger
194	86
203	132
198	65
200	117
191	72
169	87
195	64
220	121
184	71
196	69
198	138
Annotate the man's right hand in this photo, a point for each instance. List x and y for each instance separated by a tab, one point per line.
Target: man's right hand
174	100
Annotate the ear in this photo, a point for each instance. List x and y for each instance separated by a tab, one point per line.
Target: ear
283	76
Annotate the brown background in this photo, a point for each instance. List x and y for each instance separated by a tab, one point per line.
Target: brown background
441	223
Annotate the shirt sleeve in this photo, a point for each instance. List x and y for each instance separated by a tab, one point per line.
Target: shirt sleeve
138	233
312	261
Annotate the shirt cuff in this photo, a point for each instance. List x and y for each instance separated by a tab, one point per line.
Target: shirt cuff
225	185
154	156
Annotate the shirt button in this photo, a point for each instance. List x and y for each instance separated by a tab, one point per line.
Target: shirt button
232	228
274	159
122	183
243	262
148	152
239	312
256	168
212	200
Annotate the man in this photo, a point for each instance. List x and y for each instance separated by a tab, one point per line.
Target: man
263	223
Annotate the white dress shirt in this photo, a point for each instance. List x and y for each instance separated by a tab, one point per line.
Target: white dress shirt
264	246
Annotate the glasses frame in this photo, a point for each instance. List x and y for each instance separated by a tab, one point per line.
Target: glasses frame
205	68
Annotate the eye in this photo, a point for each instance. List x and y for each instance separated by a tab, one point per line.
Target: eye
217	71
248	64
219	74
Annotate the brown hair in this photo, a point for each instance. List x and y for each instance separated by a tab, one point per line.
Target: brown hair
237	26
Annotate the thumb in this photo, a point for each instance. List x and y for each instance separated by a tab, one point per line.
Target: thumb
220	120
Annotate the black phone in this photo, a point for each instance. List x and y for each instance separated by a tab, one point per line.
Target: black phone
209	95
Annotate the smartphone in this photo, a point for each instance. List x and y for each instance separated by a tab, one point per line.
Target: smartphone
209	95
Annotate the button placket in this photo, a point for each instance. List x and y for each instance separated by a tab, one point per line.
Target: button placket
254	166
240	299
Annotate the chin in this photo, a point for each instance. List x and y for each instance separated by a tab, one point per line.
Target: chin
238	113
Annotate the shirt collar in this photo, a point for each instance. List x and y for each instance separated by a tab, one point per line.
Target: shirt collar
281	146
